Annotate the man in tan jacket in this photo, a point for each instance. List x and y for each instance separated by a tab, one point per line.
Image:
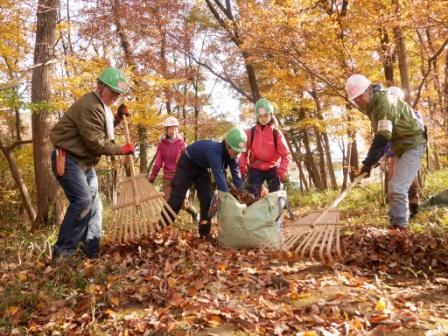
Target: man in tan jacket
81	136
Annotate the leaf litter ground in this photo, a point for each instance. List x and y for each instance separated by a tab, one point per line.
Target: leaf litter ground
175	284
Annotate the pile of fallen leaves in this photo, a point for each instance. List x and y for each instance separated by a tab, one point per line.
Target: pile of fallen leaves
243	197
396	252
176	284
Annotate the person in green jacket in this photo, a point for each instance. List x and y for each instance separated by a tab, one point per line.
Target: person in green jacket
392	120
80	137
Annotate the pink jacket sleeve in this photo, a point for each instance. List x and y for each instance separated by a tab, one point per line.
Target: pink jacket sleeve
158	163
284	153
243	156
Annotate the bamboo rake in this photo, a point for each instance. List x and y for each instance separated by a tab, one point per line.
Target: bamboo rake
139	206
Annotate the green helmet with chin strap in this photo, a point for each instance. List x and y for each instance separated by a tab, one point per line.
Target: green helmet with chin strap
113	78
236	138
263	106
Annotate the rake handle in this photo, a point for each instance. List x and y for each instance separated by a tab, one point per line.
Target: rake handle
128	140
340	198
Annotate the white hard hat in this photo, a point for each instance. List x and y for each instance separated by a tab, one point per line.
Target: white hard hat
356	85
170	121
396	92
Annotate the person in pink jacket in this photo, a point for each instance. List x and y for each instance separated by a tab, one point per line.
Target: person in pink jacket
267	155
169	150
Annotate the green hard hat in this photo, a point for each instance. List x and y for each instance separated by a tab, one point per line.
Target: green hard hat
236	138
265	104
113	78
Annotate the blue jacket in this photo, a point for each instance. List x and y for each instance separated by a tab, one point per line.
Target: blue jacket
212	154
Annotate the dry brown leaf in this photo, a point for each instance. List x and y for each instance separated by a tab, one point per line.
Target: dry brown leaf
214	320
115	300
378	318
12	310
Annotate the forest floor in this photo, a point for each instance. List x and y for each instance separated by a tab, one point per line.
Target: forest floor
389	283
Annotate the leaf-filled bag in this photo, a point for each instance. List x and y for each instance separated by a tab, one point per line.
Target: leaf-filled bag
257	225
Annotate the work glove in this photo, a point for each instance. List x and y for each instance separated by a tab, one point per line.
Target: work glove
121	112
365	169
283	177
128	149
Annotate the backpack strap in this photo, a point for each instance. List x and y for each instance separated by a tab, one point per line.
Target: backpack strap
252	135
275	134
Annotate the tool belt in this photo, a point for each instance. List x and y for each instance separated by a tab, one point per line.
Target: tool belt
61	158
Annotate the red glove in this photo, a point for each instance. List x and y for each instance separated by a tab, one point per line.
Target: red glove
282	176
128	149
121	112
152	179
243	174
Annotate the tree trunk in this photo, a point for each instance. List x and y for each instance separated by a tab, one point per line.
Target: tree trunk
322	168
46	186
142	139
313	171
446	93
435	75
324	136
290	145
251	77
164	68
297	156
126	47
24	195
354	159
346	164
388	57
401	52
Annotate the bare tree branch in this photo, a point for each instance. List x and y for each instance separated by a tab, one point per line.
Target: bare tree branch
223	78
428	71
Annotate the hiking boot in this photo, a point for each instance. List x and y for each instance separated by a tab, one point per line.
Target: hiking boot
91	248
210	238
204	229
413	210
399	228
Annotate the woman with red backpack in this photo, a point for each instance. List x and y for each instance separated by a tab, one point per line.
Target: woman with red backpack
267	155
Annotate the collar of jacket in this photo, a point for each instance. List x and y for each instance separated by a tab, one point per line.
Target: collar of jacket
176	139
375	97
99	98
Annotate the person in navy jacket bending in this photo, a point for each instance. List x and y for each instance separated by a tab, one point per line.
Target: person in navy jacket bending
193	166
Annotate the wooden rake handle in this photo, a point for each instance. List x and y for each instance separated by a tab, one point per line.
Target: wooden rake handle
340	198
128	140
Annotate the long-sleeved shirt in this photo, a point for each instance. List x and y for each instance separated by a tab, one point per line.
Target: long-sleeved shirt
213	155
392	120
166	157
263	154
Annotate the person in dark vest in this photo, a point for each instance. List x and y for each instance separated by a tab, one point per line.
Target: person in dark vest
81	137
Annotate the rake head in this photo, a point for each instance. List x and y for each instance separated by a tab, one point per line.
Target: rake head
138	212
311	239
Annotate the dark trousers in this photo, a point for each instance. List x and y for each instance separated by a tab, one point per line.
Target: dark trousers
257	177
82	221
187	174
